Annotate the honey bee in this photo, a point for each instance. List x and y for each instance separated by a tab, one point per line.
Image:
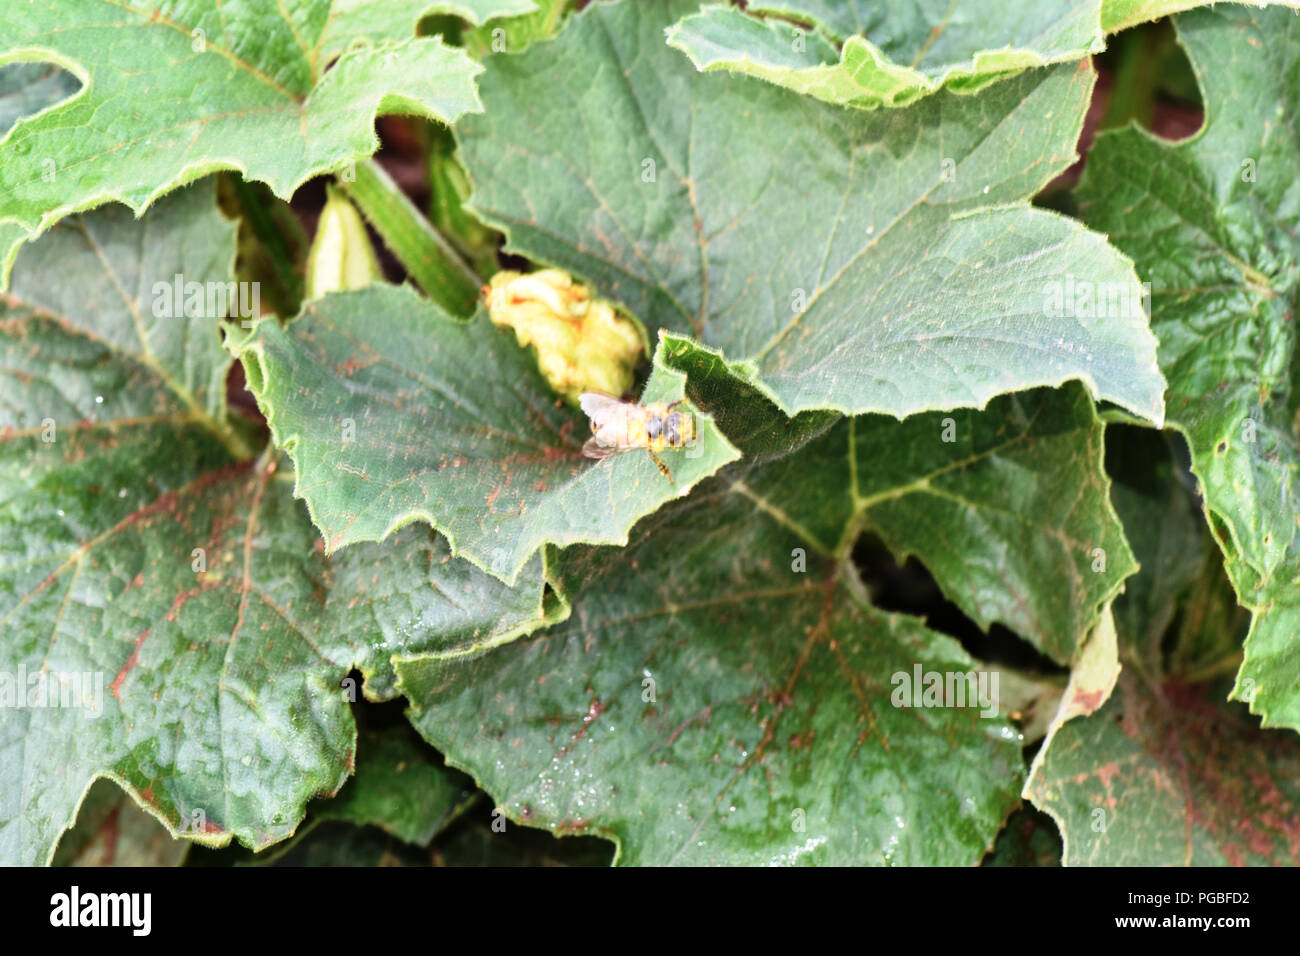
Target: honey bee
619	426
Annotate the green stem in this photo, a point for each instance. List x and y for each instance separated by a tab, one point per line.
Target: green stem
553	17
428	257
258	216
1224	665
1132	93
234	442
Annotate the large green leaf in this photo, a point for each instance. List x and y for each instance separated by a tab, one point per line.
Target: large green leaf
173	93
375	21
1212	223
1011	517
797	717
709	702
1120	14
1007	508
882	262
183	585
995	503
395	412
1165	772
872	54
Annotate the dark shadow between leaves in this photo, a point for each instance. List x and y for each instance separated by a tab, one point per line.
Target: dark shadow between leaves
911	589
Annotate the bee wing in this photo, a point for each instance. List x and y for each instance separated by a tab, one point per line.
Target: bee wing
600	408
595	448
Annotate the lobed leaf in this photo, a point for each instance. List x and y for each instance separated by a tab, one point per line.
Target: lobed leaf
870	55
1164	772
171	94
395	412
711	703
1212	222
1007	508
883	262
172	596
674	716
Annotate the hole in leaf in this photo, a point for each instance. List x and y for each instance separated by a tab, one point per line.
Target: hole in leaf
28	88
1145	77
1029	838
911	589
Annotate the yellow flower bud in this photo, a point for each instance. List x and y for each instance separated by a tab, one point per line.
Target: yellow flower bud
583	344
341	256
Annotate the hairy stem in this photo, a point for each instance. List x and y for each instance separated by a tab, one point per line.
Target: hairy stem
429	259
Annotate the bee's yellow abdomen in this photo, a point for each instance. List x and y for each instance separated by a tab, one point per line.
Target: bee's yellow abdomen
660	414
688	428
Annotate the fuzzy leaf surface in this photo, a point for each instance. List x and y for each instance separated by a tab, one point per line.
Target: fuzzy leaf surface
172	94
1212	223
867	262
870	55
179	584
724	659
1166	772
395	412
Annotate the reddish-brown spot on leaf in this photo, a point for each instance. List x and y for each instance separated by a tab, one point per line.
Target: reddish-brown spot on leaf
131	661
1107	773
179	601
1086	701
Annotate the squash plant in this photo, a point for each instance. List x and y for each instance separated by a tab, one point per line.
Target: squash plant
301	556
